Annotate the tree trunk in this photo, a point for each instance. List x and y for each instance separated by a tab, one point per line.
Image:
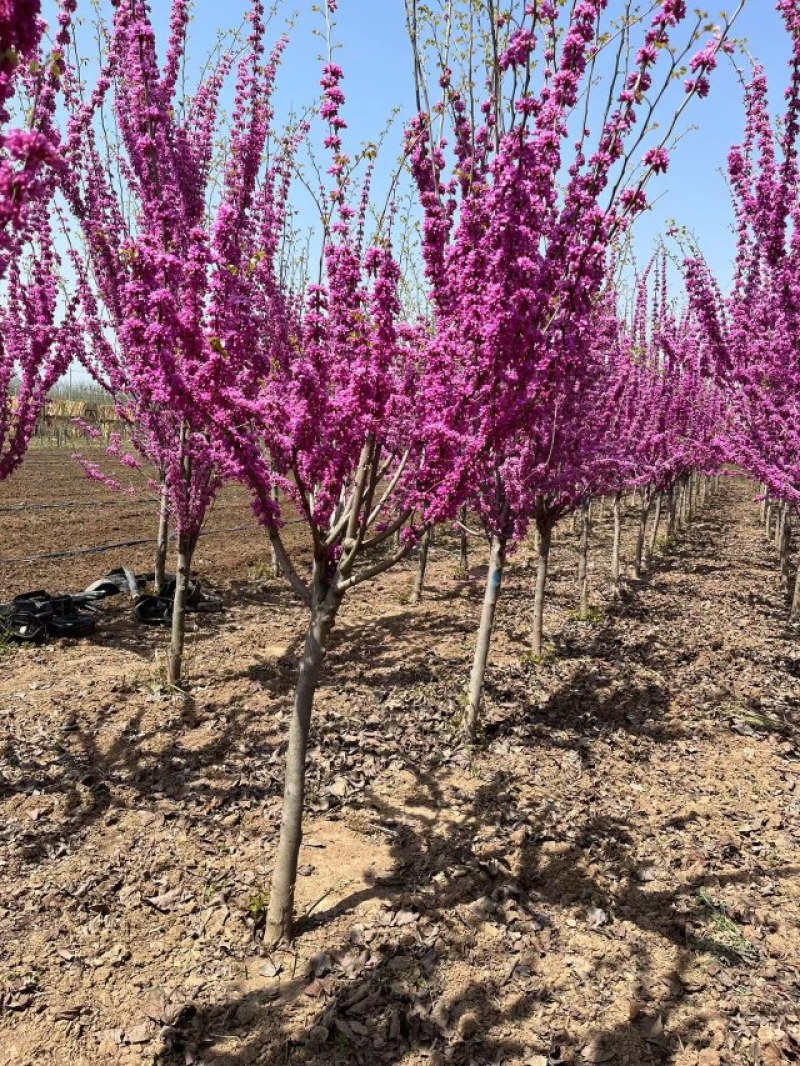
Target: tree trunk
681	507
764	505
419	580
779	526
494	578
277	569
651	544
644	513
463	556
615	546
280	912
784	547
794	614
670	514
583	564
178	638
162	543
545	536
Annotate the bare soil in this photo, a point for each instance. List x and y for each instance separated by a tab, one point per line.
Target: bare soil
613	876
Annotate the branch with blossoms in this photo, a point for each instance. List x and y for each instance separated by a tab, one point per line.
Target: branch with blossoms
518	219
324	405
38	332
162	281
751	333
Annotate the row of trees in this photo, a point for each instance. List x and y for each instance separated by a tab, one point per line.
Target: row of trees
751	333
525	390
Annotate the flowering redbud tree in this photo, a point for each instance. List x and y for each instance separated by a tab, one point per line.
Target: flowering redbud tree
308	392
21	151
752	335
322	405
519	214
38	338
156	268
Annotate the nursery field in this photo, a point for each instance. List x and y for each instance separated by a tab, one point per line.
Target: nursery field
50	508
612	875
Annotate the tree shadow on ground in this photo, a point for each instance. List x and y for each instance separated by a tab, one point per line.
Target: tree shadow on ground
390	987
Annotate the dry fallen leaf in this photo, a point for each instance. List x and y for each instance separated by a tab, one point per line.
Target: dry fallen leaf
597	1050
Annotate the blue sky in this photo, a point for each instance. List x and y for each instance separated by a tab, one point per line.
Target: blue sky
376	57
375	54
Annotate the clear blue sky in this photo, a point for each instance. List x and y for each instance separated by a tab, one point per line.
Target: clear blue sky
376	58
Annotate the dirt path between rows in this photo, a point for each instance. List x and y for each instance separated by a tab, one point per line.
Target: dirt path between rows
613	877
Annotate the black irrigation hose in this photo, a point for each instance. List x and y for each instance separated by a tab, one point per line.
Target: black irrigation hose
68	505
108	547
65	506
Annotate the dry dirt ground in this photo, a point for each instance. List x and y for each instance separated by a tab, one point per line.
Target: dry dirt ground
614	876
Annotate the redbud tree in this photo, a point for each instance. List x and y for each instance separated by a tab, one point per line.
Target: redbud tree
309	391
38	337
521	206
751	335
159	254
323	406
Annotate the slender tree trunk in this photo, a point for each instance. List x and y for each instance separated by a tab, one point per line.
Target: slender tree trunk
784	547
463	555
764	504
768	520
178	637
277	569
162	543
670	514
779	527
651	544
545	536
583	564
494	579
419	580
794	614
615	546
644	513
280	912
